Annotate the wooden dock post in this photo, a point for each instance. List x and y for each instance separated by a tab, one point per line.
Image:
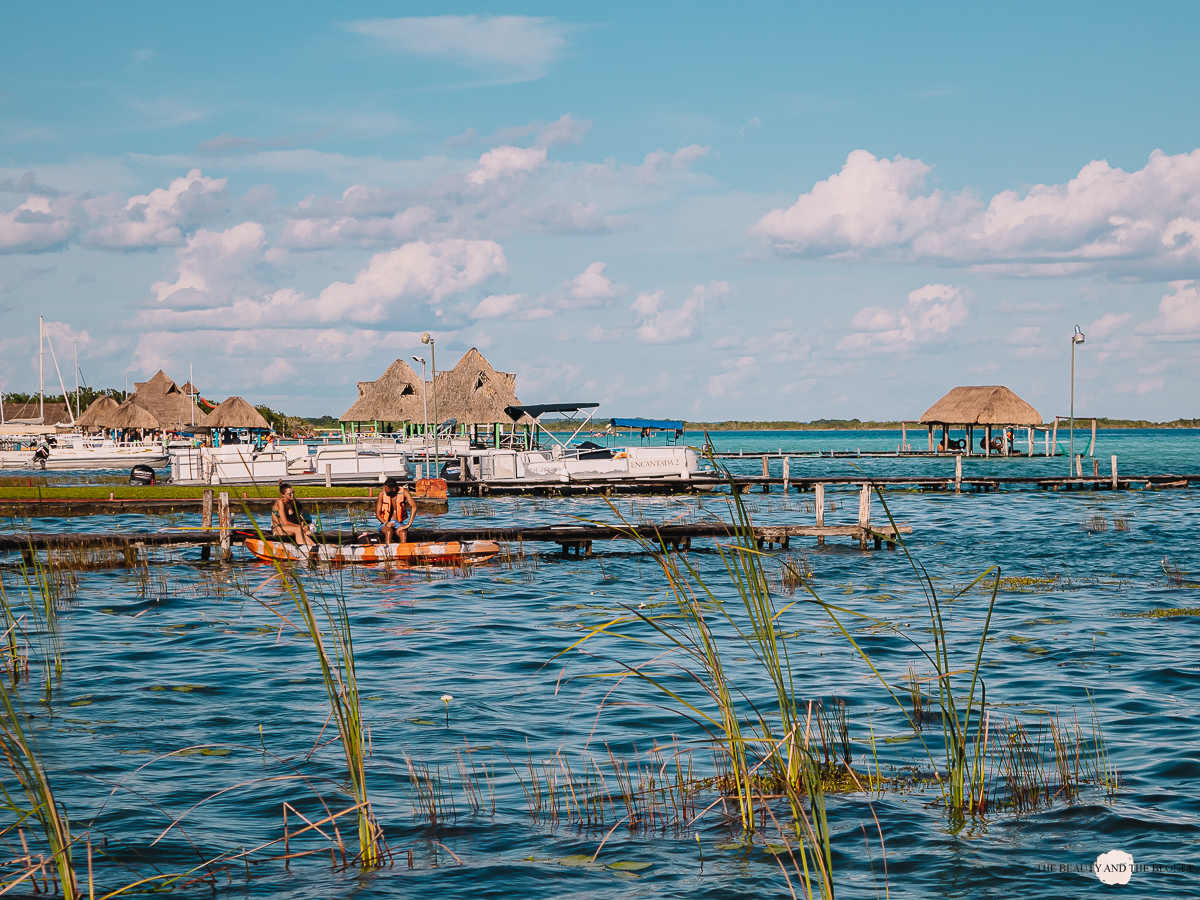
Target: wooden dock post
1052	447
328	475
958	474
786	474
1096	469
864	514
1114	473
1031	442
1078	465
225	521
819	504
206	522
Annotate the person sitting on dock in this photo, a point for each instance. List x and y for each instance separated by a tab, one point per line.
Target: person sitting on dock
287	520
389	509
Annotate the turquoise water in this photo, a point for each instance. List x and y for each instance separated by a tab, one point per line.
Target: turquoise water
194	656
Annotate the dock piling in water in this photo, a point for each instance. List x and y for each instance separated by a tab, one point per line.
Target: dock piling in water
225	520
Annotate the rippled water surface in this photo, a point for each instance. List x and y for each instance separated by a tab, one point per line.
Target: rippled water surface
206	656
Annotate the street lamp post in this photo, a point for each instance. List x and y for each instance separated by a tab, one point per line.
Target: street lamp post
427	339
425	404
1076	338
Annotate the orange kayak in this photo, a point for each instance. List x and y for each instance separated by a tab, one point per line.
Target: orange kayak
450	553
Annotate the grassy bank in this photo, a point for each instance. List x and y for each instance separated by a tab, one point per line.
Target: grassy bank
163	492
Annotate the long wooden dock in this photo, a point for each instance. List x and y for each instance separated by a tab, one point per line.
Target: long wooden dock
572	538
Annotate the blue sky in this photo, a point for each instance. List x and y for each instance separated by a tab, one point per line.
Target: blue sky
700	210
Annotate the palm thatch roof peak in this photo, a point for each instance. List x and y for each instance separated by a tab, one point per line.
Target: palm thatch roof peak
99	414
991	404
474	392
132	414
236	413
395	396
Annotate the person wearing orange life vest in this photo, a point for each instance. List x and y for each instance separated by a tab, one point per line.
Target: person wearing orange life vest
389	509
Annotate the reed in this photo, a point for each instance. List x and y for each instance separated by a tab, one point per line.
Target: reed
762	750
23	759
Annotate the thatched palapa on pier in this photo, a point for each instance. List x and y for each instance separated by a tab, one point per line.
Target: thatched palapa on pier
474	393
132	415
394	397
99	414
236	413
31	413
990	406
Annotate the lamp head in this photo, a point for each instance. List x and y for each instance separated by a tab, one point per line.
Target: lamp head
426	339
1077	337
418	359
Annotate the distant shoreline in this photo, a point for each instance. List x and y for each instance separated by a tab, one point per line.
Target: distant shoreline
859	425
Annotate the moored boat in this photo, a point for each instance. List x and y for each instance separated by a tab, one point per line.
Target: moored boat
426	553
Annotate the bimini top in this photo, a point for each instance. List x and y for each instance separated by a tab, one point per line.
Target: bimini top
539	410
652	424
991	404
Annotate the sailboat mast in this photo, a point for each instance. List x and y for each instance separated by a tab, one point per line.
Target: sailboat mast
77	379
41	384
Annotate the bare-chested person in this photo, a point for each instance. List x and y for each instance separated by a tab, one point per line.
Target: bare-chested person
286	519
389	510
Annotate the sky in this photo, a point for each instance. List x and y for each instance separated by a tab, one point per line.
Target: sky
699	210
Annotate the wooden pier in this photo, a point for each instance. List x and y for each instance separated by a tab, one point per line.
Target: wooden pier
571	538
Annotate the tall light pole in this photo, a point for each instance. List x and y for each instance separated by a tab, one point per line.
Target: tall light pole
427	339
1076	338
425	404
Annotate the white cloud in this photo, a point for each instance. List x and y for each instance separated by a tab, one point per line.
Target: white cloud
590	288
659	325
1026	334
502	161
1104	219
931	313
659	162
600	335
224	282
513	48
1107	324
37	224
496	306
157	219
733	372
1178	314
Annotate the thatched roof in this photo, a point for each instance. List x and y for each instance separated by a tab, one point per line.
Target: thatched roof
171	406
132	414
99	414
395	396
236	413
981	405
474	393
56	413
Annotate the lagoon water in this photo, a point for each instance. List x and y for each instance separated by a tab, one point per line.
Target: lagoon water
198	655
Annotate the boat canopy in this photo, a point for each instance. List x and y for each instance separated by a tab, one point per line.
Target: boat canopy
652	424
539	410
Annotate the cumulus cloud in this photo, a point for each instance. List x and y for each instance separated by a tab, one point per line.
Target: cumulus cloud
930	315
1107	324
659	325
1104	219
590	288
507	160
496	306
1178	314
157	219
658	163
226	280
733	372
511	48
38	224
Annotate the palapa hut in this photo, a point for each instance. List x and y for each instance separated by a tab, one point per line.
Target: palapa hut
989	406
173	408
473	394
477	397
99	415
237	414
132	416
394	399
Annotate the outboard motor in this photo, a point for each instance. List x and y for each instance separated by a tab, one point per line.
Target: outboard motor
452	470
40	455
141	474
